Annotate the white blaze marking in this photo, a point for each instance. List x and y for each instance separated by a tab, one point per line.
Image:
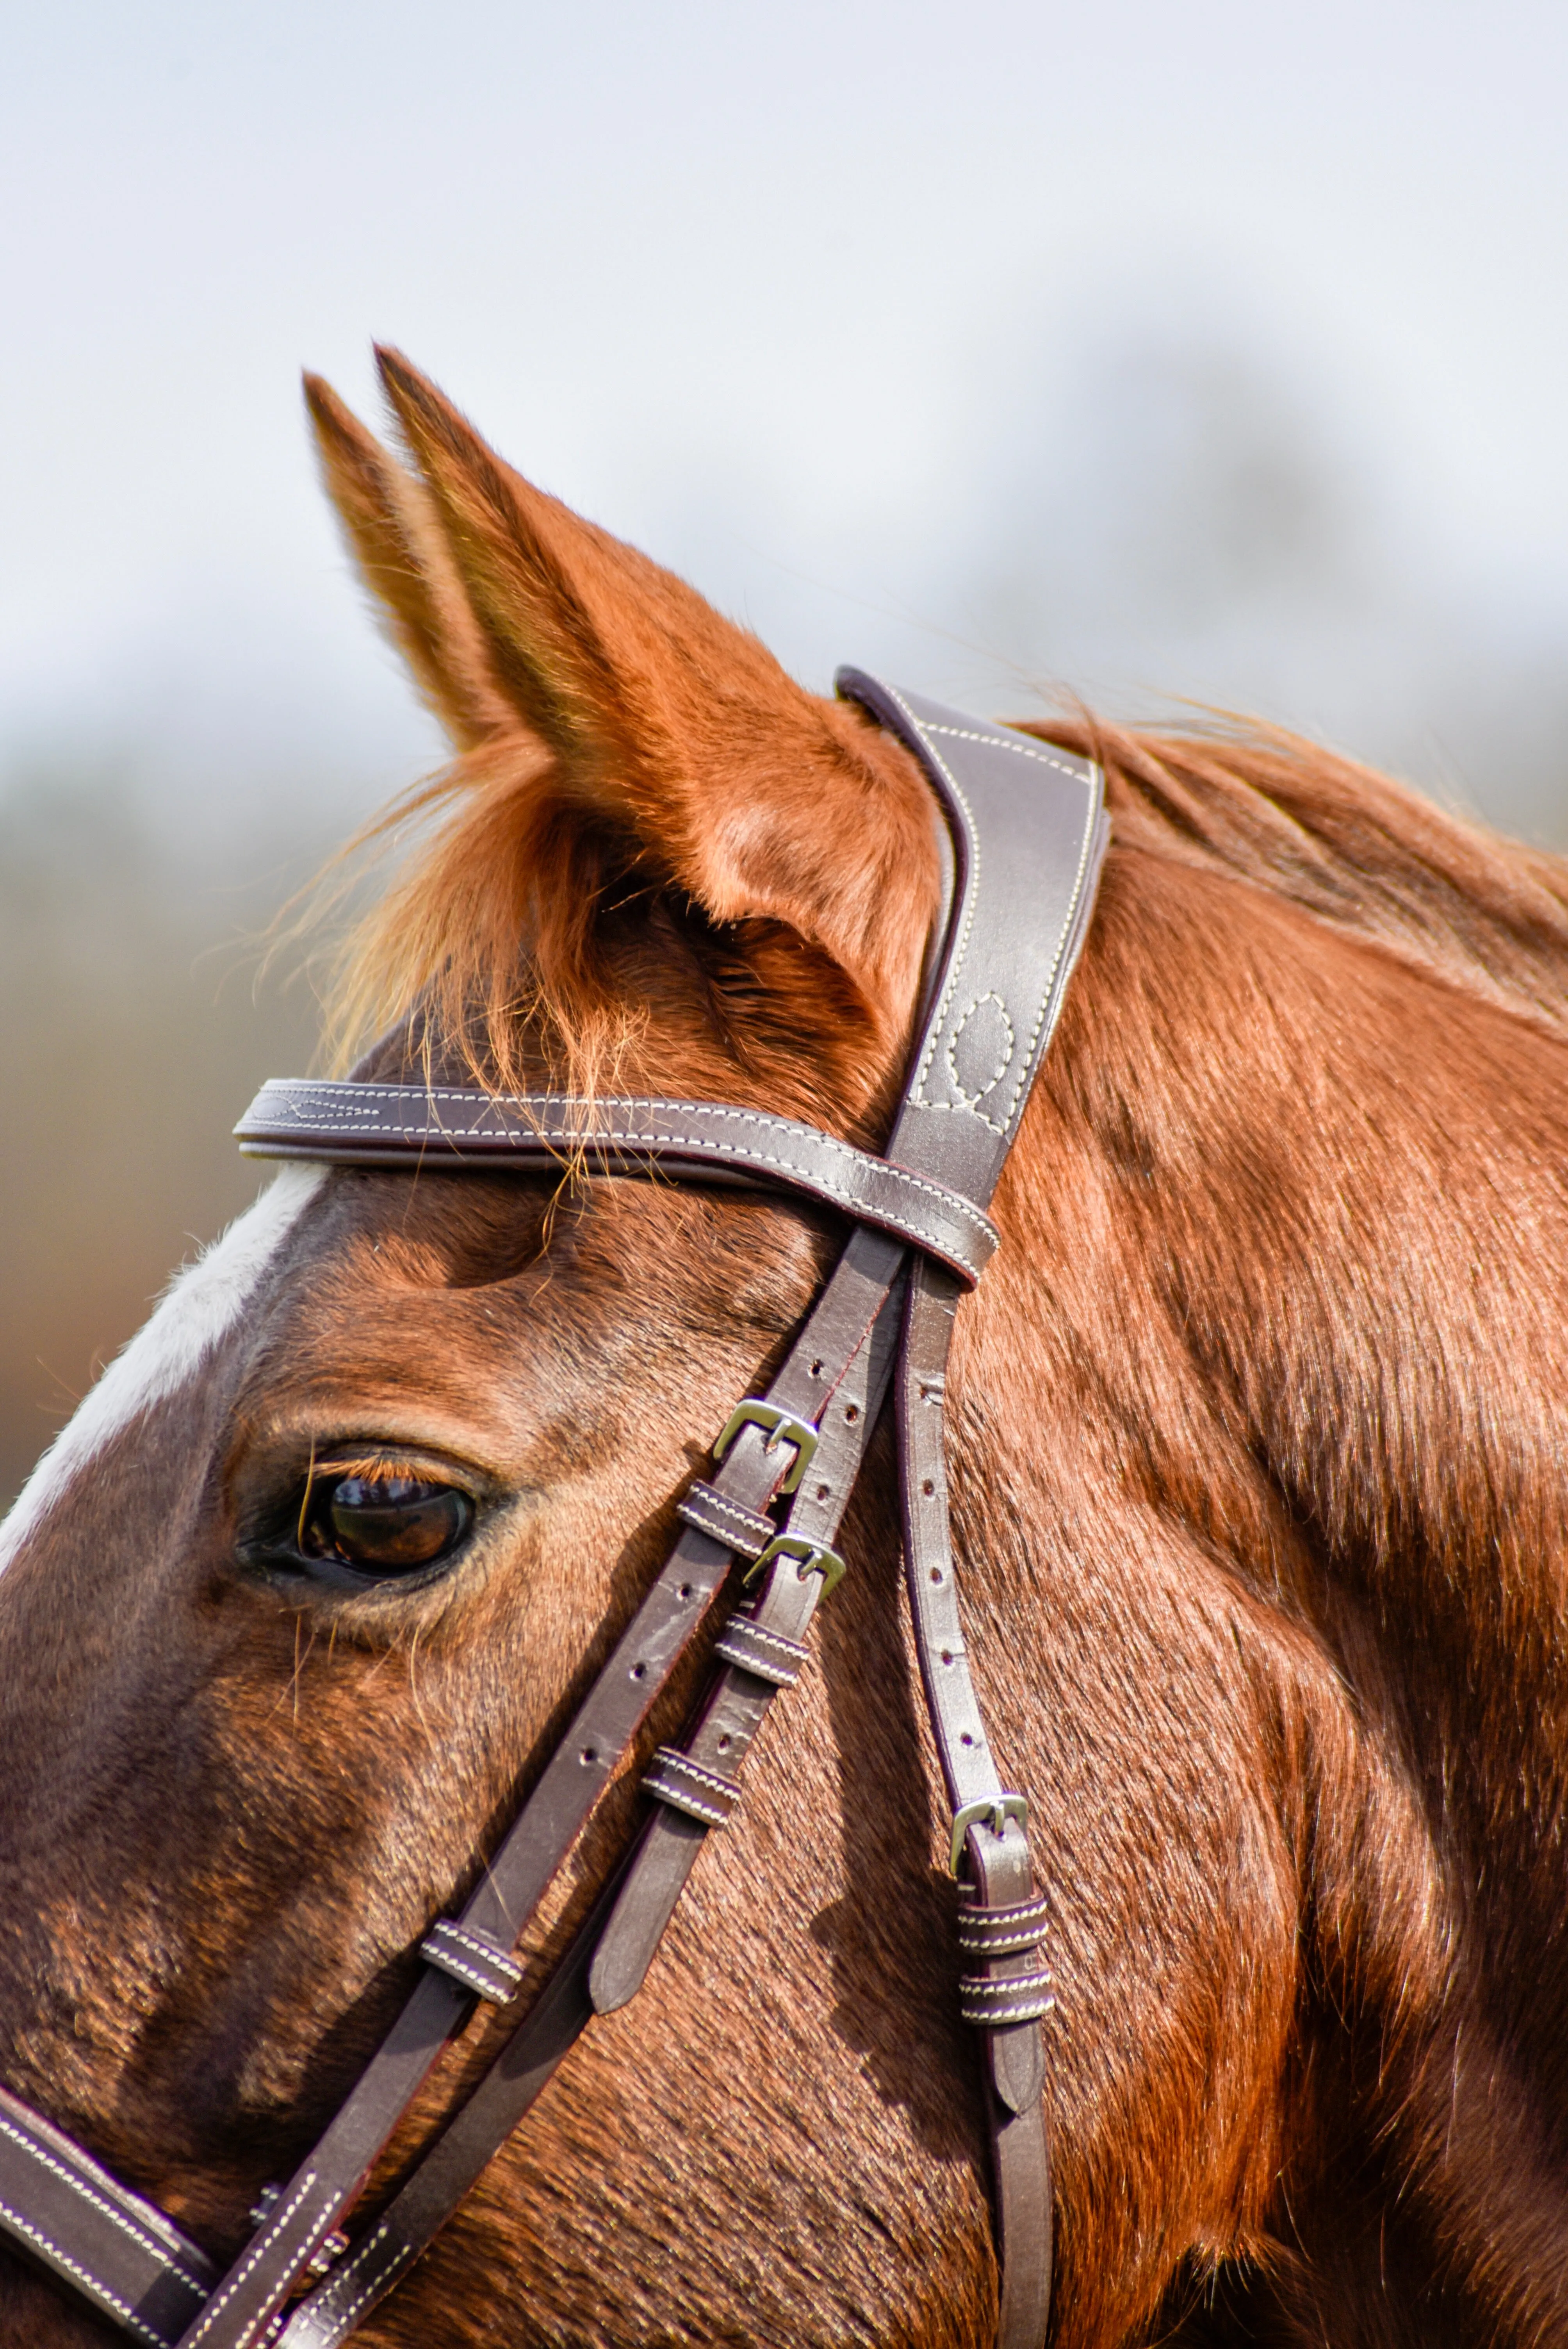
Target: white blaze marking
198	1305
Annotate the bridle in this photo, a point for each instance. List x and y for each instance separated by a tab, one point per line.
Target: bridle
1027	833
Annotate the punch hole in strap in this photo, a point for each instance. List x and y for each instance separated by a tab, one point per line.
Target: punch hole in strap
991	2001
471	1959
746	1531
767	1655
685	1785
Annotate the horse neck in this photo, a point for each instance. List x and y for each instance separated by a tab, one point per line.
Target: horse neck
1281	1333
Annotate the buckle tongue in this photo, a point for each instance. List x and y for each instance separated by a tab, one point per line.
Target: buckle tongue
995	1812
779	1427
811	1557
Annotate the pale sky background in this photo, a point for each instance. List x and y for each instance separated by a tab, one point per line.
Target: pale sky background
1137	351
1218	350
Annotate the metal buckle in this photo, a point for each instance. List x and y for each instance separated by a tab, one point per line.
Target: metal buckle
996	1809
779	1427
811	1557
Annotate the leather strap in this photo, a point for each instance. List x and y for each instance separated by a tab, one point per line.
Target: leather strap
1028	904
609	1959
119	2253
757	1463
448	1129
989	1835
1029	861
996	985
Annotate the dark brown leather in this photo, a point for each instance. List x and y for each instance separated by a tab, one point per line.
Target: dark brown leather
607	1964
1028	834
1002	1918
550	1822
446	1129
119	2253
737	1703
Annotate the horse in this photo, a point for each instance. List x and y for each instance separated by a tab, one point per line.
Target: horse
1256	1450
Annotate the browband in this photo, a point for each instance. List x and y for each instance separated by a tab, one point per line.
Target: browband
1028	834
444	1129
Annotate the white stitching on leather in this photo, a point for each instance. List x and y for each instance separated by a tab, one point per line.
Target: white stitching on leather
705	1502
680	1763
751	1631
900	1177
1032	2011
939	1018
259	2250
478	1946
449	1964
142	2241
1003	740
972	1101
378	2283
681	1797
1025	751
121	2308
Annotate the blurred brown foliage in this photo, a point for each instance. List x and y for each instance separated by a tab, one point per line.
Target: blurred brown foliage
131	1036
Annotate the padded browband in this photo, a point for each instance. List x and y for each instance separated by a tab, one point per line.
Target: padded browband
444	1130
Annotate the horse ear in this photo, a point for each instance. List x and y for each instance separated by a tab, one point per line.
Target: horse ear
757	799
393	528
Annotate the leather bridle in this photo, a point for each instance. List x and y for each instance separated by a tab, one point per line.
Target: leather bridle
1028	834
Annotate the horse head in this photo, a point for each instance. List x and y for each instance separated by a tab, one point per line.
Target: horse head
1256	1431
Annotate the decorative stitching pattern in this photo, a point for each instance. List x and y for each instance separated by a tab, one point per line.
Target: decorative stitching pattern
259	2250
143	2241
335	1106
122	2309
1005	1998
998	739
973	1097
1004	1944
1032	2010
476	1943
1005	738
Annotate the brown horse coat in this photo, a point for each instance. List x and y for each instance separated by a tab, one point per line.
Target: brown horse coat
1258	1429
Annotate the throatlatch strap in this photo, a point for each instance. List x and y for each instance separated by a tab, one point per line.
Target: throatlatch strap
1029	836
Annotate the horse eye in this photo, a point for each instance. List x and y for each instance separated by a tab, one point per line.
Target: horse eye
384	1525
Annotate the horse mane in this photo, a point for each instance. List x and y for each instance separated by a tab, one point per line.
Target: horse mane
494	923
1365	854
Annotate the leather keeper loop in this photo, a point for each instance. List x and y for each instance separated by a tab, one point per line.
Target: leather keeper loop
1000	1933
746	1531
767	1655
990	2001
705	1794
471	1959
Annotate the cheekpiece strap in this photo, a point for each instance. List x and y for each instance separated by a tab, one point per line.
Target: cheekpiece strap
1027	833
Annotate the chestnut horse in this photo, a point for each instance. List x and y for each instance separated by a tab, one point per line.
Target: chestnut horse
1258	1437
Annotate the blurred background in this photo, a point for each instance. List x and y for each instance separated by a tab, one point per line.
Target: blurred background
1140	353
